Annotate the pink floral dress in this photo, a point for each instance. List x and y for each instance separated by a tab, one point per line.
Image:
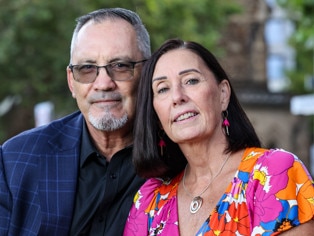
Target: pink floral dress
271	192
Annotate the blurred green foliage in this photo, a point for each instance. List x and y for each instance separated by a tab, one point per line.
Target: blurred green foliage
301	12
35	44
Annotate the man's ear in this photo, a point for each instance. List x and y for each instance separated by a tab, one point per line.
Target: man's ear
70	80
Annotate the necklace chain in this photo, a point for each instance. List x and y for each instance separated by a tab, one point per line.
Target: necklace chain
197	200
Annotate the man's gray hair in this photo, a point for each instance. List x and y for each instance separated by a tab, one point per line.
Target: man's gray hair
100	15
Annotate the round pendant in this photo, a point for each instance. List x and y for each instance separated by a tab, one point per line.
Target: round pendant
196	204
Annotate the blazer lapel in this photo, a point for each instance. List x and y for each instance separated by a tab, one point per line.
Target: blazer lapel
59	173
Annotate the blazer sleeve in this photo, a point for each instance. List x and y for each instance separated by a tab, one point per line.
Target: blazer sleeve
5	199
38	175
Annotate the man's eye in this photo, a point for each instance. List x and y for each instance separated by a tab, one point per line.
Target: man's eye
121	66
86	68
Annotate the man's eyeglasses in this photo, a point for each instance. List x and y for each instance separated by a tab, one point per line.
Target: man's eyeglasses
118	70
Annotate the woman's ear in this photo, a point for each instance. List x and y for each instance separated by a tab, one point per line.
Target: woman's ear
225	93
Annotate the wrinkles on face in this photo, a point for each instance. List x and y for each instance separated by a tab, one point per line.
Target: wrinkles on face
107	104
186	97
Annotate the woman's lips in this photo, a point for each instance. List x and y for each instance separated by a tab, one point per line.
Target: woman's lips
185	116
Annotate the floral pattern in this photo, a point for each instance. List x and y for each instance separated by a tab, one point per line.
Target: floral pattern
264	198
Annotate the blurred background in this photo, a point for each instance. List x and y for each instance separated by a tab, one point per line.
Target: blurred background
266	46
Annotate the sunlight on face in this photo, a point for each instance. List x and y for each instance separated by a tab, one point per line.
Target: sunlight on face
107	104
187	98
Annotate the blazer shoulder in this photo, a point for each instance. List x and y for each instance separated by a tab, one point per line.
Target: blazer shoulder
63	132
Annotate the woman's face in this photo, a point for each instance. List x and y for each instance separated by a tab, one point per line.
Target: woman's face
187	98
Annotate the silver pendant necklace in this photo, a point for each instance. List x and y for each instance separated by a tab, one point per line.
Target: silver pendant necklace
197	201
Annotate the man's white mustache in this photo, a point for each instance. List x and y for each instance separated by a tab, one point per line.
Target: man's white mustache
104	96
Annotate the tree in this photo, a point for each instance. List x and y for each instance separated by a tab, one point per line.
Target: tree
35	44
301	12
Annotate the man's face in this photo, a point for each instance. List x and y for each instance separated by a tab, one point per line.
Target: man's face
106	104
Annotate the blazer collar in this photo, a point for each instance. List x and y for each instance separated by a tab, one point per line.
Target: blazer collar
68	132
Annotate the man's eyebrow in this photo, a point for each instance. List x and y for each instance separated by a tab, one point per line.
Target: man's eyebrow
124	58
115	59
86	61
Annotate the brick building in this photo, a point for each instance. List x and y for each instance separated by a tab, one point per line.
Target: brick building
245	61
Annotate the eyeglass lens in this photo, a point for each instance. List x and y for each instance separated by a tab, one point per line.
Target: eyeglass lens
119	71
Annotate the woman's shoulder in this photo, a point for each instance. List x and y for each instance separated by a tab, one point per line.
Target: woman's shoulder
154	188
277	157
256	153
273	162
153	185
261	157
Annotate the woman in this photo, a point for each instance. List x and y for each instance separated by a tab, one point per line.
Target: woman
208	174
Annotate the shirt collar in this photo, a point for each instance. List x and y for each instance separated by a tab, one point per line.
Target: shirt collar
87	147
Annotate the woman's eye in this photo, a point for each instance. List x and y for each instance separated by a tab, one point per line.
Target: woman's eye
192	81
162	90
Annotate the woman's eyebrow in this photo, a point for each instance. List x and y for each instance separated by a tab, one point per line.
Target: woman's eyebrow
180	73
159	78
189	70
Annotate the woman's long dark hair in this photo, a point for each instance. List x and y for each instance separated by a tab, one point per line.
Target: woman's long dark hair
147	156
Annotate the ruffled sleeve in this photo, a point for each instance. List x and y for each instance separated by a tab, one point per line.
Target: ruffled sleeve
280	193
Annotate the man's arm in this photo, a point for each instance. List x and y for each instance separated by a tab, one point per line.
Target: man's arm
5	199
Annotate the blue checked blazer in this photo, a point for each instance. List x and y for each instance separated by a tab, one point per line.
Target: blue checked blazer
38	176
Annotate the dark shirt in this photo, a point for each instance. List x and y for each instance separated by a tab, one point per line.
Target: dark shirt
105	191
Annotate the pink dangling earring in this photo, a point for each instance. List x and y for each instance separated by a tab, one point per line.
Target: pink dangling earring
161	144
225	122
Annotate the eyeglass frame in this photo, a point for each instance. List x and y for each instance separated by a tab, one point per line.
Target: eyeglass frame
110	71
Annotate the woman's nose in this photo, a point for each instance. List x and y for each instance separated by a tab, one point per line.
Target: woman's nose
178	95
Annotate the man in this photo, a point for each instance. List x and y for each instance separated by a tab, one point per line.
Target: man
75	176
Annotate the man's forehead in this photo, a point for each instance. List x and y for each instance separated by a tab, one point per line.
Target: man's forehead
106	41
